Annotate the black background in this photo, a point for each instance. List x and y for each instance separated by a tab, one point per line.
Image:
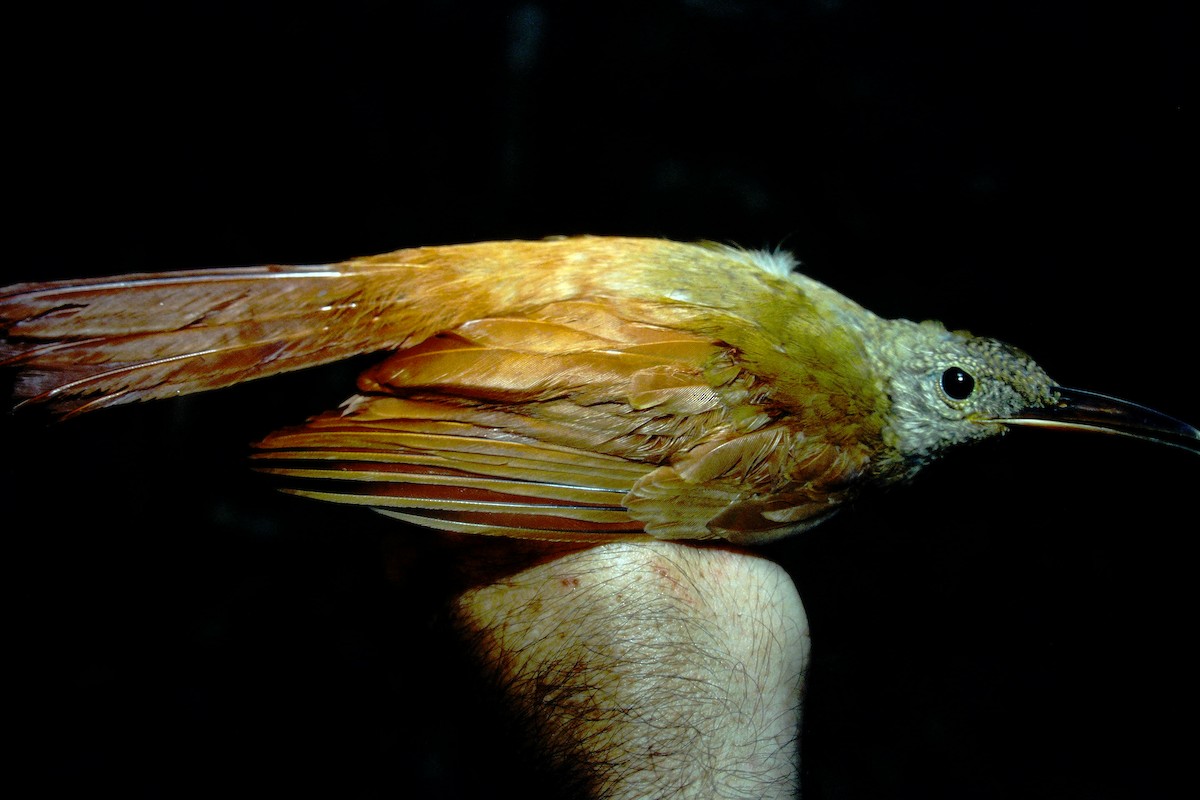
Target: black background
1018	623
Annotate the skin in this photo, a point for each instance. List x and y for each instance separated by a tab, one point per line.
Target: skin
643	669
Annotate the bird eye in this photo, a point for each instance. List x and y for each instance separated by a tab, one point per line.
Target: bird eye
957	383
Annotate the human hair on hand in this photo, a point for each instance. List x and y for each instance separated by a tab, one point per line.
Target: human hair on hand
643	669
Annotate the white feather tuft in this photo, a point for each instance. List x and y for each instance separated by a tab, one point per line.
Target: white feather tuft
777	262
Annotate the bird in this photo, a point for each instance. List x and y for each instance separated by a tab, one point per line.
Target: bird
567	389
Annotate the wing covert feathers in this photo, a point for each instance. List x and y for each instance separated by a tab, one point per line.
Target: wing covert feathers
571	389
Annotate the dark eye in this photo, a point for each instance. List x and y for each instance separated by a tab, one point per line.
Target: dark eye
957	383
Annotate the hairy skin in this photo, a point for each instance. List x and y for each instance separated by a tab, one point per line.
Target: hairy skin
645	669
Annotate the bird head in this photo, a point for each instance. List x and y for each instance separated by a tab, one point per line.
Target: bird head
949	387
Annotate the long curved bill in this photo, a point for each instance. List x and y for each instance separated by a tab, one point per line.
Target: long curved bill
1076	409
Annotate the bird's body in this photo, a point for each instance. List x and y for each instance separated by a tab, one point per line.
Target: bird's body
574	388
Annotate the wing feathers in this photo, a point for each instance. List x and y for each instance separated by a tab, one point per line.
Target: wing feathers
398	498
598	435
415	476
358	465
493	526
434	462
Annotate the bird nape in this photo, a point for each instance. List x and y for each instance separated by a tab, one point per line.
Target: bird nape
569	389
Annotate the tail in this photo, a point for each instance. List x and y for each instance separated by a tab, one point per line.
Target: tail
88	344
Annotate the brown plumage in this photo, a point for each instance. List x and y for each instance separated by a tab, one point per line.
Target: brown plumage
562	389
